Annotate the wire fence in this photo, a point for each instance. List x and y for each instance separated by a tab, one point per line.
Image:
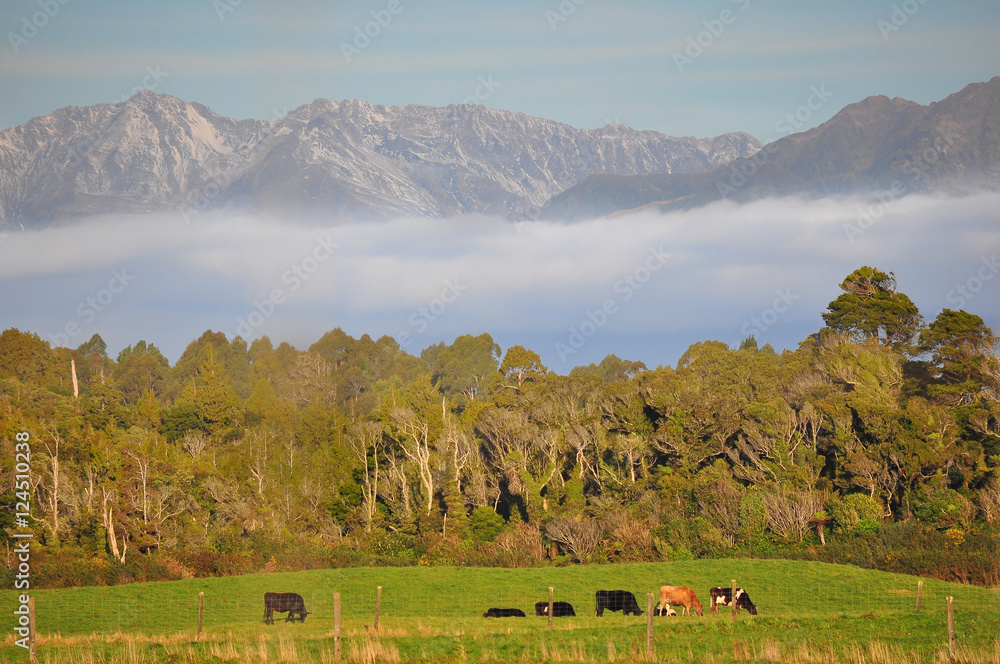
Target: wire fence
467	593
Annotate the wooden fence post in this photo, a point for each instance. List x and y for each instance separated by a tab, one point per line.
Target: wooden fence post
951	629
32	651
732	597
550	607
378	605
920	587
201	612
650	652
336	627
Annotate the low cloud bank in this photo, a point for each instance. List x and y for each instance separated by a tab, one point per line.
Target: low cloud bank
643	286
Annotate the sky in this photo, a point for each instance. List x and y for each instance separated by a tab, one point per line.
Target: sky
644	286
683	68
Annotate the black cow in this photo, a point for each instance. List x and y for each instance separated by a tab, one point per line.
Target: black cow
282	602
665	611
559	609
724	597
504	613
617	600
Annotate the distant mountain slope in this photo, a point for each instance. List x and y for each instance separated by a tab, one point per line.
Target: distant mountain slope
348	160
878	144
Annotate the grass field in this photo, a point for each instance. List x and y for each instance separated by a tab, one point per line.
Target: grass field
809	612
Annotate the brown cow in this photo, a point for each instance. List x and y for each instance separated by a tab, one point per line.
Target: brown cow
679	596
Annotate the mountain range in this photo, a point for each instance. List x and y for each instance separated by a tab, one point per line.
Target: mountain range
354	160
324	160
883	147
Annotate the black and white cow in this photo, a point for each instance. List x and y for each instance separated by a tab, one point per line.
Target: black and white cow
282	602
724	597
559	609
504	613
617	600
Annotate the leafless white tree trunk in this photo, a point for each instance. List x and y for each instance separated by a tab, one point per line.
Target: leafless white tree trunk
366	440
416	446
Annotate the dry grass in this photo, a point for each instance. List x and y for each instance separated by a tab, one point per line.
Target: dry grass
372	651
571	652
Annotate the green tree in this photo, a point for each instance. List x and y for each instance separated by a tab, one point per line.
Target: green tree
218	404
24	356
871	308
520	366
961	349
466	368
140	369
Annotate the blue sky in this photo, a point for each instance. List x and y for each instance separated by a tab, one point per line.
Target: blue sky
585	64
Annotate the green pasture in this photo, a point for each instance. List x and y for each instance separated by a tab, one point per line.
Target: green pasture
808	612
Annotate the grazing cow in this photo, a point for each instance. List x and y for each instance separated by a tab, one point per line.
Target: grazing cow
679	596
665	611
723	596
504	613
282	602
559	609
617	600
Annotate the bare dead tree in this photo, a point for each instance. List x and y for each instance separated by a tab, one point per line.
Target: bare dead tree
258	459
396	489
194	443
988	499
416	446
107	515
50	493
367	441
142	463
578	535
790	514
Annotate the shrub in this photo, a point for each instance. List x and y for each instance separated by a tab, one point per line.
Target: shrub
486	524
752	519
849	513
946	509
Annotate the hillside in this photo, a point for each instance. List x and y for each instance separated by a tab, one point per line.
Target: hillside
948	147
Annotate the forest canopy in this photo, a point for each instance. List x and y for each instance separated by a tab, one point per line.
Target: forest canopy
246	456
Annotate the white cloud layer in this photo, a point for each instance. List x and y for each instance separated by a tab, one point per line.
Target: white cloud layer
643	286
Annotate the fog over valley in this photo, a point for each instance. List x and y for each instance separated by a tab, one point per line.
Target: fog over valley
643	285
